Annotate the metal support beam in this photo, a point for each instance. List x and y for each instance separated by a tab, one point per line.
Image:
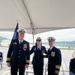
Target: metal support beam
33	40
31	22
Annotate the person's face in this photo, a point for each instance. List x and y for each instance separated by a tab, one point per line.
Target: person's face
38	43
51	43
21	36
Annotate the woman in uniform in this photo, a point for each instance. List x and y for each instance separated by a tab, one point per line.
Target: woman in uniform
38	59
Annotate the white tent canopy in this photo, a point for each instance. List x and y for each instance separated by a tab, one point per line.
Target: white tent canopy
37	16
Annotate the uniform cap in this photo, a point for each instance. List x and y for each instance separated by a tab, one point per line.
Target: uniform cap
51	39
38	39
21	31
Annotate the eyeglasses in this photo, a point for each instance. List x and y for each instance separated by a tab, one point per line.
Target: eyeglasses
38	40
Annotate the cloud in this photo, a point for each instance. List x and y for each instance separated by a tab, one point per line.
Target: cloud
60	35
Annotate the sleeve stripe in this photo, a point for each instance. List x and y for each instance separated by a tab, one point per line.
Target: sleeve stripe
27	61
8	59
57	66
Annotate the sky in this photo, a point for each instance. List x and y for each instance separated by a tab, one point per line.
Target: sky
60	35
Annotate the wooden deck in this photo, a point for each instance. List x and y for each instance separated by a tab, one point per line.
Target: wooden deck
66	56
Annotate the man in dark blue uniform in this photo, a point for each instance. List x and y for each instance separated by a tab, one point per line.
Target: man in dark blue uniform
54	58
18	54
72	66
38	60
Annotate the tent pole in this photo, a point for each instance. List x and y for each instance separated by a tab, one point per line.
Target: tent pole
33	40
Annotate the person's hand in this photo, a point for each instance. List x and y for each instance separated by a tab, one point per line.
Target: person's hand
56	71
26	66
8	64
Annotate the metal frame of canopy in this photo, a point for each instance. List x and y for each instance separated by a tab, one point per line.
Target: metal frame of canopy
28	15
